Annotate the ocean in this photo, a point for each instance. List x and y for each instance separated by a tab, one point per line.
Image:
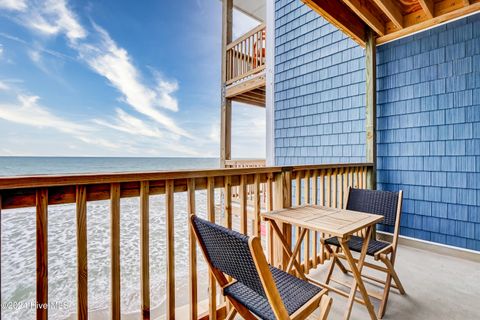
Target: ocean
18	243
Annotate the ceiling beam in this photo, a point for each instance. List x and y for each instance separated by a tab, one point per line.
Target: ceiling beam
392	11
427	6
367	16
340	15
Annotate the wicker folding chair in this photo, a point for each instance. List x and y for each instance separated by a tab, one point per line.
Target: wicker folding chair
257	288
388	204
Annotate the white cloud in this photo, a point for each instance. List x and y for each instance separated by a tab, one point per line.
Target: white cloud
53	17
129	124
27	111
16	5
3	86
1	50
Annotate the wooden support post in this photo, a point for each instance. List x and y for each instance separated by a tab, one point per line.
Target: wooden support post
282	198
42	253
144	249
371	108
193	252
115	249
226	104
170	212
82	263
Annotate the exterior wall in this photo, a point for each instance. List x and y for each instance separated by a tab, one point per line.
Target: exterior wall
429	131
428	115
319	90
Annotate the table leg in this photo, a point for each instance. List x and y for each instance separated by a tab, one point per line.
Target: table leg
287	249
356	271
296	249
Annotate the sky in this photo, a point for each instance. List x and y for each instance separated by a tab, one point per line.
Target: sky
118	78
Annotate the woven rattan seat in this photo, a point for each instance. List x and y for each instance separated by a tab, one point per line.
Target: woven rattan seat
355	244
293	291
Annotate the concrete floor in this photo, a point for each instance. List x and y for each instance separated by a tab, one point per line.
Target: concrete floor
438	287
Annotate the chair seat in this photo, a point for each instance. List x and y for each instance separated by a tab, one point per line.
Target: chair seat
293	291
356	243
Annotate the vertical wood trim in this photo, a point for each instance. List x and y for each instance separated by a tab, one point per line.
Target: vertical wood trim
42	252
270	228
170	209
282	188
212	307
371	107
298	202
334	188
243	204
328	189
115	248
306	242
82	262
228	201
257	195
322	188
226	104
315	202
144	248
193	252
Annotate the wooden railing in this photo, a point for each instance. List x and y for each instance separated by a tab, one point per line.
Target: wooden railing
246	55
315	184
245	163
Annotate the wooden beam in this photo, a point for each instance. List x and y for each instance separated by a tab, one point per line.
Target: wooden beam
428	7
392	10
226	104
144	249
82	262
367	16
340	15
282	198
115	250
441	18
371	107
245	86
170	244
42	253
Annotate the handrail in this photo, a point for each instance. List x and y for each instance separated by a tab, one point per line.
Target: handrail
267	187
246	56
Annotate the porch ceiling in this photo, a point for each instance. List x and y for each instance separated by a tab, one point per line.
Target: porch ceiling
390	19
254	8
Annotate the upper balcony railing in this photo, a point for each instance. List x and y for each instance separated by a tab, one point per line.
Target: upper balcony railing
246	55
312	184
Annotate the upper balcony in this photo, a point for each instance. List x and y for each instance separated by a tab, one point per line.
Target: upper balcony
245	67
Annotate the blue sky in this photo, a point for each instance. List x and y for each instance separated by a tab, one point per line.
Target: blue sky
115	78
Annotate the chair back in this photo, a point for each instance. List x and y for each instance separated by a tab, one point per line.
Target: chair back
384	203
229	252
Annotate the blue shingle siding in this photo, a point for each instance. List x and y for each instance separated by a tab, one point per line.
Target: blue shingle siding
430	112
319	90
428	115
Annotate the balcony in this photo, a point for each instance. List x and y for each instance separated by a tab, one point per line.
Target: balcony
245	67
432	277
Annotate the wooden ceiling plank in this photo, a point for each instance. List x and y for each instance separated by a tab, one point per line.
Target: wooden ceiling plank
340	15
463	11
428	7
367	16
392	11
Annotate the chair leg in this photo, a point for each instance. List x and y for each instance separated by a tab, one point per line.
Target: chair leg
392	271
386	292
325	305
231	315
244	312
335	257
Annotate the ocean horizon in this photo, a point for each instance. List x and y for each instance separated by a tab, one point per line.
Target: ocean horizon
32	165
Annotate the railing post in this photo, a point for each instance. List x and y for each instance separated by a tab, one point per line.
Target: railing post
282	198
371	108
144	248
82	262
42	253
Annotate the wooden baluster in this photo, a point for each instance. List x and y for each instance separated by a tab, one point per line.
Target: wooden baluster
115	248
315	202
257	195
328	188
270	228
212	309
345	186
144	248
322	203
357	184
298	202
42	253
364	175
340	188
192	251
306	245
170	209
228	201
82	263
243	204
350	178
334	189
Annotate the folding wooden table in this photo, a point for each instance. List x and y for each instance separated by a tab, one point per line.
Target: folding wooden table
338	223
